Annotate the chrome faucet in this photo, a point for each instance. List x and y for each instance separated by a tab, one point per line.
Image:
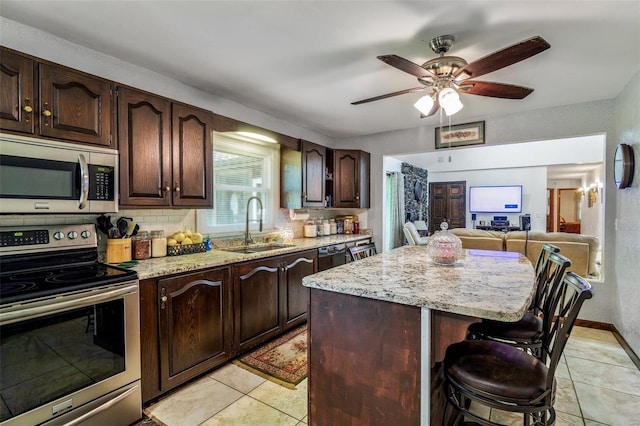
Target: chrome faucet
247	237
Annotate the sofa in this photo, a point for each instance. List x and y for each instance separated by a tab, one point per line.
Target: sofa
582	250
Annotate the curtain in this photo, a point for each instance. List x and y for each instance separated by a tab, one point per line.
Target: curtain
395	210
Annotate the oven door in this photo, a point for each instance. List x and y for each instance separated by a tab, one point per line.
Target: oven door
72	355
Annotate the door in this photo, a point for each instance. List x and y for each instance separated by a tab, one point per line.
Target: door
257	299
296	295
192	184
313	174
75	106
144	133
447	203
17	88
195	324
550	209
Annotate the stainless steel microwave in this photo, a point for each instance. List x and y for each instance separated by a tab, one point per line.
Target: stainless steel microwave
43	176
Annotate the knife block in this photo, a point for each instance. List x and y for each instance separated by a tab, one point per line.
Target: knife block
118	250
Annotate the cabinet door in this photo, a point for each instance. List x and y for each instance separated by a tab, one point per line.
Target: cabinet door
313	174
296	295
192	183
75	106
17	88
195	324
351	178
257	299
144	132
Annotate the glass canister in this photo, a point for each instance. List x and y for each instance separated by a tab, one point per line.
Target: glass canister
320	229
141	246
326	227
444	248
340	226
158	244
348	224
333	227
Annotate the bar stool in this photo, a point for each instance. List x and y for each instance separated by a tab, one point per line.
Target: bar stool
528	332
503	377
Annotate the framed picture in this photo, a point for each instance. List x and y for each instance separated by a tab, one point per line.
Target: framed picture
460	135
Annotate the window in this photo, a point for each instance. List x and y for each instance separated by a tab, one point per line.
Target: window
241	170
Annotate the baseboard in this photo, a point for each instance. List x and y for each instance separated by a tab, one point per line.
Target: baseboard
612	328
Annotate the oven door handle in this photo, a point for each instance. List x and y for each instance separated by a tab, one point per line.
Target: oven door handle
99	409
84	182
41	308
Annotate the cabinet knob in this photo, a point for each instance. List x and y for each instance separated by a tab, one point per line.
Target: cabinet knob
27	108
177	189
46	113
167	189
163	298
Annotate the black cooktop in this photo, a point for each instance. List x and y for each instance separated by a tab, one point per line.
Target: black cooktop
17	286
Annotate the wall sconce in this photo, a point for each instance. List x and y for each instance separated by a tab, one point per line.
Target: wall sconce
593	193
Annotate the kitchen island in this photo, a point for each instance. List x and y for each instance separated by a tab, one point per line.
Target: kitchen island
378	329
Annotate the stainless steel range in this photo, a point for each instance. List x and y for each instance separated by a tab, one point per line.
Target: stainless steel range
69	330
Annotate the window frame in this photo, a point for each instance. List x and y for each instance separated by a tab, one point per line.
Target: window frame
269	193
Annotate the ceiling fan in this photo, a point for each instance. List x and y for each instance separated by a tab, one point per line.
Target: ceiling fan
446	76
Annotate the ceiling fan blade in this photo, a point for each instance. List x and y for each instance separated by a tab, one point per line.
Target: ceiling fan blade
406	66
503	58
389	95
434	109
494	90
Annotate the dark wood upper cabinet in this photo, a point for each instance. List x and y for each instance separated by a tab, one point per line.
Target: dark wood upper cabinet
313	174
144	134
71	105
302	174
165	152
351	176
74	106
192	157
17	101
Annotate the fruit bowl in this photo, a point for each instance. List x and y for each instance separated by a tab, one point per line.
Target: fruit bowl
181	249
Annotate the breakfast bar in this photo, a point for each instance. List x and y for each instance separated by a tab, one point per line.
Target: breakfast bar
378	329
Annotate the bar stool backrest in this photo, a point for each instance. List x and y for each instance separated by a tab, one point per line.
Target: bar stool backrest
565	301
362	251
546	272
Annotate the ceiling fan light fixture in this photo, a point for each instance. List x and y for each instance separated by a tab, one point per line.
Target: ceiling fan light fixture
449	101
424	104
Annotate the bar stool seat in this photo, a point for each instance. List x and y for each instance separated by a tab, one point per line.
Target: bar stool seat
480	365
527	329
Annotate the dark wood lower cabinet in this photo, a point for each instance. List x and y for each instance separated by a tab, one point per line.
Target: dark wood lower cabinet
186	328
269	297
197	321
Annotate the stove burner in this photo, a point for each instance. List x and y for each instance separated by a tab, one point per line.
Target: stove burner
75	276
16	287
31	276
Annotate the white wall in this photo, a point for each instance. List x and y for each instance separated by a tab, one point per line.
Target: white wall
623	220
532	179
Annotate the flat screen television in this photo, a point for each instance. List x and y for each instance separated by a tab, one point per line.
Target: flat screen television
495	199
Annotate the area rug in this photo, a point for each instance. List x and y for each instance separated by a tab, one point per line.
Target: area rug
282	360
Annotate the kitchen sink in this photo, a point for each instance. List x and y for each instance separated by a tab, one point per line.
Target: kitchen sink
256	249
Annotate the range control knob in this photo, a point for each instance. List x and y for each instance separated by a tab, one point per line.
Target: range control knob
85	234
72	235
58	236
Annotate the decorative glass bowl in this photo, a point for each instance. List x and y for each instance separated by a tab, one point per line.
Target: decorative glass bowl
444	248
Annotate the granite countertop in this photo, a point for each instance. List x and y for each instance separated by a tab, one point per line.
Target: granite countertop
486	284
158	267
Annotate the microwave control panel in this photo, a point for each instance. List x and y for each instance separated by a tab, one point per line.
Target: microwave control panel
102	182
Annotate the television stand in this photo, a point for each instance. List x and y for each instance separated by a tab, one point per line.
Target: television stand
503	228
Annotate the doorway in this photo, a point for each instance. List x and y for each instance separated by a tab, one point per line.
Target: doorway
568	210
447	203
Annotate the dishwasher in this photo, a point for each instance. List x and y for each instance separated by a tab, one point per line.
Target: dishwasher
331	256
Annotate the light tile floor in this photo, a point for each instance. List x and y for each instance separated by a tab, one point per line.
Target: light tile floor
598	384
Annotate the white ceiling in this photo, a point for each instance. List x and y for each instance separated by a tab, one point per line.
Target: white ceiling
306	61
